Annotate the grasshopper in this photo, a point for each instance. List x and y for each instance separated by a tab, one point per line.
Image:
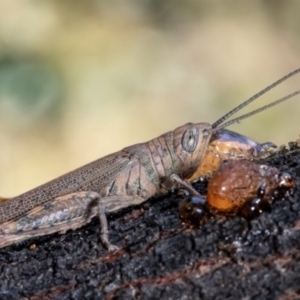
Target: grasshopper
125	178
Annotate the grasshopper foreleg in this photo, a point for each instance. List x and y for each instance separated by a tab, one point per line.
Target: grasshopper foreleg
176	179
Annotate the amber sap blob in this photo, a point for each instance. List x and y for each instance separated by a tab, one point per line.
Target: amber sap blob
242	186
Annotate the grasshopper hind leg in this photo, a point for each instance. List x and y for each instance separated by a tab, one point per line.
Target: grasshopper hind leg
71	211
59	215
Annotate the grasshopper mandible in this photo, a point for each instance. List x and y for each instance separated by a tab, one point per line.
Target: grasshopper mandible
125	178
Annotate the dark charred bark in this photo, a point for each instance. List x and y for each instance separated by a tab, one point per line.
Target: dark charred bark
161	258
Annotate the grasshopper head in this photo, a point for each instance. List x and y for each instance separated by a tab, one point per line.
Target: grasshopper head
190	145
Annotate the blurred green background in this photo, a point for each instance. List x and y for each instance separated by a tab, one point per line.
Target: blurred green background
81	79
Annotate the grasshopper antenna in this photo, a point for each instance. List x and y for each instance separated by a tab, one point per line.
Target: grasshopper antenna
256	111
217	124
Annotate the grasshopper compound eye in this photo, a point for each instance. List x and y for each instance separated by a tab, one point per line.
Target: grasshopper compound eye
190	139
246	188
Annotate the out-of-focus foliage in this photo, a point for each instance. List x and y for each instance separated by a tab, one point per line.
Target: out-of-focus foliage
29	91
80	79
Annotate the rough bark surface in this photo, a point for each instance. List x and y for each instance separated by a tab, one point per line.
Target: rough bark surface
161	258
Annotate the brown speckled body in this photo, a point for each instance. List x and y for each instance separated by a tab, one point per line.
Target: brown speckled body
136	170
121	179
